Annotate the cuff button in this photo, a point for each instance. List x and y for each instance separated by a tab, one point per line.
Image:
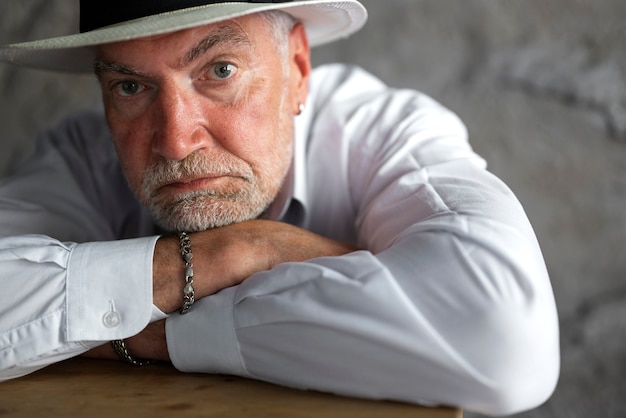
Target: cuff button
111	319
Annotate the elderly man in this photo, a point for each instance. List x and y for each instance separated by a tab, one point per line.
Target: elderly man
235	212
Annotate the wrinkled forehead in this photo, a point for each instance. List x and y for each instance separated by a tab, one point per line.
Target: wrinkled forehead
243	31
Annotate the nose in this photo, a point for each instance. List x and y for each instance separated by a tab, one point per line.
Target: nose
180	126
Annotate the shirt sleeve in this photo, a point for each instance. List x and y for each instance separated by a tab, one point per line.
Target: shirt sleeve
68	298
450	303
67	283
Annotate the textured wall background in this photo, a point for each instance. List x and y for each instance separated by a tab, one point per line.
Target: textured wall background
541	85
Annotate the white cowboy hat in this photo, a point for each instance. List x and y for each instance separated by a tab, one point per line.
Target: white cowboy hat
105	21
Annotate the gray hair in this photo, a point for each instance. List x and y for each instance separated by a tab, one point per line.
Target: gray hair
281	24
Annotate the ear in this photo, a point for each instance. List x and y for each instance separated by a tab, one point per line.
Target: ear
300	65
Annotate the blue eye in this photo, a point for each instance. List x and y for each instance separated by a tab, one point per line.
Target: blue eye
224	71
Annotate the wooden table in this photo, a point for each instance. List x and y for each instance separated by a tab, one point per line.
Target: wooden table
98	388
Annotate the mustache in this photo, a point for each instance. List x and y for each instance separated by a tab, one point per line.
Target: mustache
163	172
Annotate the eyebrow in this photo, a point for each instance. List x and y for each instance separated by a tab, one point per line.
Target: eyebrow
101	66
223	35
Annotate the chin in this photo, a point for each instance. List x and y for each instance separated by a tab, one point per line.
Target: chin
202	213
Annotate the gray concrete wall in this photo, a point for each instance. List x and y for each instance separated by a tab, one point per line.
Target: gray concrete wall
541	85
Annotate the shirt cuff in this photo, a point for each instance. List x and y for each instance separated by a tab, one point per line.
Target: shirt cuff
204	339
109	289
157	314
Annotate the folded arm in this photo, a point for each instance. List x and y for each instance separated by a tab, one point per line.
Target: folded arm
458	311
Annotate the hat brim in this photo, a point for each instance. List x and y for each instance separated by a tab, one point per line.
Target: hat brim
324	20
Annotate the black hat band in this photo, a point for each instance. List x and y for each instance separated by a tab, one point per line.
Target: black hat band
95	14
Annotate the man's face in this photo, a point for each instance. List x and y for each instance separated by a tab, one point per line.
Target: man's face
202	119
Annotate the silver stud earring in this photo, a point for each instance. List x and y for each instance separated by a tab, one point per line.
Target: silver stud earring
300	109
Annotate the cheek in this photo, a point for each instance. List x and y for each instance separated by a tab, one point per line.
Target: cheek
262	113
265	141
257	136
133	158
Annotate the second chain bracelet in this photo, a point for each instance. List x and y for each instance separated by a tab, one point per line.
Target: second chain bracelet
188	290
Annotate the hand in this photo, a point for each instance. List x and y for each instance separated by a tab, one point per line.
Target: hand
226	256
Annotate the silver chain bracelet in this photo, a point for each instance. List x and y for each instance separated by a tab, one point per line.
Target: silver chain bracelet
188	290
120	348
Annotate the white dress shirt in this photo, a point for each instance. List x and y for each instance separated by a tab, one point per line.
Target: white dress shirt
448	303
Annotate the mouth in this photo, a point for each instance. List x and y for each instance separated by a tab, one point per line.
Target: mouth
196	175
220	183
